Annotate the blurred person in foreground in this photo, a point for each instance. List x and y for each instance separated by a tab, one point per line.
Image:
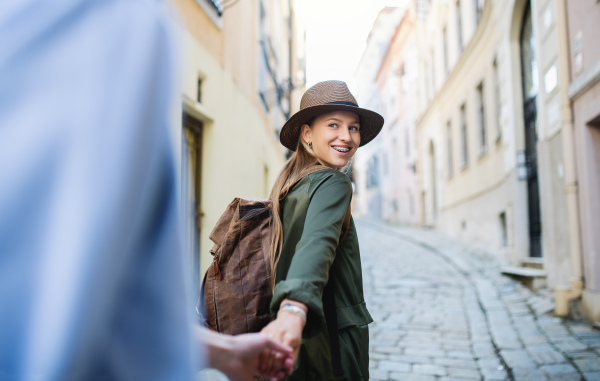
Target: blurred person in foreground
91	274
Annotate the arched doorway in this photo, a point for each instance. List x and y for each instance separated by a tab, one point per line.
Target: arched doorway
529	83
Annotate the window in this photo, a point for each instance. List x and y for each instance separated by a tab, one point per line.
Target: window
459	27
449	148
372	172
407	142
503	230
497	100
432	74
464	137
403	78
409	68
481	119
423	8
478	8
214	10
391	106
434	174
199	91
529	66
385	163
427	82
217	5
393	162
263	64
445	42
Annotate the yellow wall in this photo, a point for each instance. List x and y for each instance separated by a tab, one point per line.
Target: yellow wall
236	146
240	154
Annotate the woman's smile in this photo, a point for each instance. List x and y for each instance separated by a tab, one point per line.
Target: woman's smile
342	149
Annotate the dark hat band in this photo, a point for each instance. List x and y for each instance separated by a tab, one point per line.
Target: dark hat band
342	103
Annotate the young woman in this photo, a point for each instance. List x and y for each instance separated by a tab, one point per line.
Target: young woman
318	296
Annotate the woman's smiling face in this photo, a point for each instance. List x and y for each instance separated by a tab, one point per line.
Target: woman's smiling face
334	136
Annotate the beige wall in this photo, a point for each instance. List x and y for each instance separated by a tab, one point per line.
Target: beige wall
583	28
554	218
585	69
587	143
470	199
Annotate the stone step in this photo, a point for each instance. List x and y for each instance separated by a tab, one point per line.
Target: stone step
533	263
533	279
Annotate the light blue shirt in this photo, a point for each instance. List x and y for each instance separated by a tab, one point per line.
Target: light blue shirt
91	272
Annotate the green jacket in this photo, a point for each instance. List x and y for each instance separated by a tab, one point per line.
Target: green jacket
313	213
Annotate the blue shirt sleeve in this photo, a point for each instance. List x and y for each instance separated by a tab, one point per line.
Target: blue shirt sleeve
91	273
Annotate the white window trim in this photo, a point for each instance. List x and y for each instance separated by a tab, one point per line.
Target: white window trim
211	12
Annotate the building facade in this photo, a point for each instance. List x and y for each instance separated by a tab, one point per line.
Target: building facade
582	73
396	83
242	67
372	163
495	133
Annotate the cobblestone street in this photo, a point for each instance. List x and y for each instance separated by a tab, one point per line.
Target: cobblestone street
444	312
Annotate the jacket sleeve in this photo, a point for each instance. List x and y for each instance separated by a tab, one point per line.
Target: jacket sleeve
315	252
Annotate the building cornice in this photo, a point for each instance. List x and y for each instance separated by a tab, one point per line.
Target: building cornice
584	81
196	109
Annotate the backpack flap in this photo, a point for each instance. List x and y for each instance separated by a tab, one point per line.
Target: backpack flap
219	232
237	286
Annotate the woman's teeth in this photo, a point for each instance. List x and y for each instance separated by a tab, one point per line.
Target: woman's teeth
341	149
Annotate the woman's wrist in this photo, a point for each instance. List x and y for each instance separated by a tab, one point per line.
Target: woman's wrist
294	303
292	309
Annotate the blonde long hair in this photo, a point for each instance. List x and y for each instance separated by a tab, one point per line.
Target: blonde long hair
295	168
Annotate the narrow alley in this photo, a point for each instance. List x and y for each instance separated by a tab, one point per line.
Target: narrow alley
444	312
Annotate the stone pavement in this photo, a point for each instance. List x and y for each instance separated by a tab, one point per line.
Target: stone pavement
444	312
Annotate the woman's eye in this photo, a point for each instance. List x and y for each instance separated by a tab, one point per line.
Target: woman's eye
333	125
354	128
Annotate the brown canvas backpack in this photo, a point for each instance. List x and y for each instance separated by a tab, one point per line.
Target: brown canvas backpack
236	290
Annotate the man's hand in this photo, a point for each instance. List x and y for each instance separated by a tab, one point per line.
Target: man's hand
242	357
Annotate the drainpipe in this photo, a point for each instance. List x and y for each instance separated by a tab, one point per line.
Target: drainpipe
563	295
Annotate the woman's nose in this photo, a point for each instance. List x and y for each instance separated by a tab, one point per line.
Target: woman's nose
344	134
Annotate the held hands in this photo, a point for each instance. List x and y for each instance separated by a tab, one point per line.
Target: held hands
242	357
286	329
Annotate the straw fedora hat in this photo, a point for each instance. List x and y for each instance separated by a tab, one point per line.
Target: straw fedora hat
325	97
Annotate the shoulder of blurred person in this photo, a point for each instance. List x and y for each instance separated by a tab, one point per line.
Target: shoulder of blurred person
91	276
